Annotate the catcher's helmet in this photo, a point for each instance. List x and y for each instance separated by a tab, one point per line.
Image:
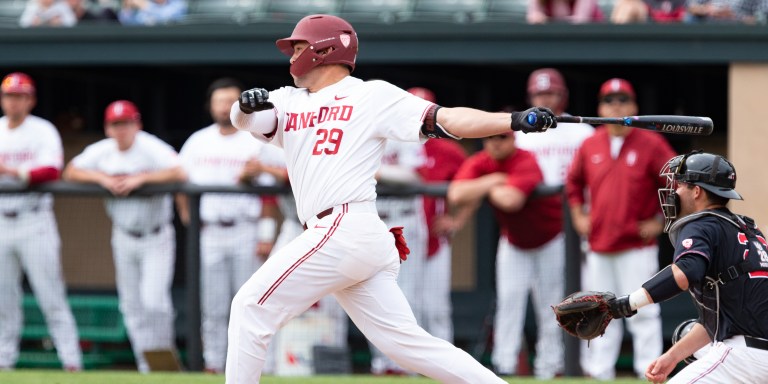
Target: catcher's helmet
680	332
424	93
321	32
711	172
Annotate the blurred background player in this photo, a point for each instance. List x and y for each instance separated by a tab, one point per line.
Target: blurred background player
399	166
143	237
30	153
443	159
543	276
530	250
618	169
238	230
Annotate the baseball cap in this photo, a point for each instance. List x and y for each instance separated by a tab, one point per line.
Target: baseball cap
18	82
616	85
121	110
546	80
424	93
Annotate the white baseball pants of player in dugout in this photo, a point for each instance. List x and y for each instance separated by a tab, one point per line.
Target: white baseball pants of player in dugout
537	271
144	272
623	272
30	242
351	254
228	259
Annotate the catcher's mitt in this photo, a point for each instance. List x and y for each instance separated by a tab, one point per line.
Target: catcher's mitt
585	314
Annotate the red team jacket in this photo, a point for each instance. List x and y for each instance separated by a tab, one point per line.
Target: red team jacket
540	220
444	157
623	191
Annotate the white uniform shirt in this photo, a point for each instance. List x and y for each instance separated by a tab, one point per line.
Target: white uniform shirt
334	138
147	154
210	158
555	148
35	143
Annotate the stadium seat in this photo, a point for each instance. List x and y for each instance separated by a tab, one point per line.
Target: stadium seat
507	10
224	11
10	12
380	11
460	11
294	10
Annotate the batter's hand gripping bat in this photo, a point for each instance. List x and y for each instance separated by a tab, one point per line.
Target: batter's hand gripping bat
683	125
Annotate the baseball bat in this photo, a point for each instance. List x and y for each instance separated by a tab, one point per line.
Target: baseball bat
683	125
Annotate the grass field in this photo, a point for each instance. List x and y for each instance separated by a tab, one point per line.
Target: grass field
118	377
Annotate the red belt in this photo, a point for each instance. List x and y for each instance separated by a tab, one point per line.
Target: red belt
321	215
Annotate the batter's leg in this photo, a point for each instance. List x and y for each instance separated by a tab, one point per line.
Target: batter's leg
381	312
42	264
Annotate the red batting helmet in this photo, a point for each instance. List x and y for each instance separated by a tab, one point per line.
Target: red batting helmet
17	82
121	110
321	32
424	93
548	80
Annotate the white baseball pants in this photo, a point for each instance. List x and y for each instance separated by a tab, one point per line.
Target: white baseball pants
30	243
622	273
352	254
729	361
519	272
227	260
144	273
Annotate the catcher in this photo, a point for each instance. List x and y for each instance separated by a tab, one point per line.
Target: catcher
720	258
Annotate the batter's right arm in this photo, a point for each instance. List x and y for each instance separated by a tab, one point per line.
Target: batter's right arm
253	113
474	123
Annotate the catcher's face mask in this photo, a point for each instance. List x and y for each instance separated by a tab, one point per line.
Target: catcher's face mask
670	201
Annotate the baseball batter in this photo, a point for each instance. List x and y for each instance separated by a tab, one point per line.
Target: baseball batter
31	153
721	259
333	128
233	225
143	237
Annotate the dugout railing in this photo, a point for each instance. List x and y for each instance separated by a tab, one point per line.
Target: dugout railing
484	246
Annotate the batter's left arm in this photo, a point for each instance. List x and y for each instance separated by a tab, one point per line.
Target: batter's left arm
474	123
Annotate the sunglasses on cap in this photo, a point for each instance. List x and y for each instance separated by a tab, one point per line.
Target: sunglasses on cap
620	98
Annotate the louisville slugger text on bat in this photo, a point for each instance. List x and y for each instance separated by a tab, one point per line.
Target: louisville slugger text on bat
684	125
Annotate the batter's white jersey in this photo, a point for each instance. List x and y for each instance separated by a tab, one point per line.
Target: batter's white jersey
210	158
35	143
337	164
147	154
555	149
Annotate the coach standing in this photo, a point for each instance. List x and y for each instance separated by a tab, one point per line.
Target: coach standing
619	168
30	152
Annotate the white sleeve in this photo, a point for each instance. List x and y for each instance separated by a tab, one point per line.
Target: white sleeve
403	115
259	124
88	159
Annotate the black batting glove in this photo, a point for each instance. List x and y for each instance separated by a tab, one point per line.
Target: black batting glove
619	307
254	100
536	119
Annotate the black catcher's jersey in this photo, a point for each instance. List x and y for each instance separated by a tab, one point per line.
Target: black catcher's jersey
743	303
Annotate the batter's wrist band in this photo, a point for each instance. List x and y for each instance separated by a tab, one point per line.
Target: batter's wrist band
266	230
